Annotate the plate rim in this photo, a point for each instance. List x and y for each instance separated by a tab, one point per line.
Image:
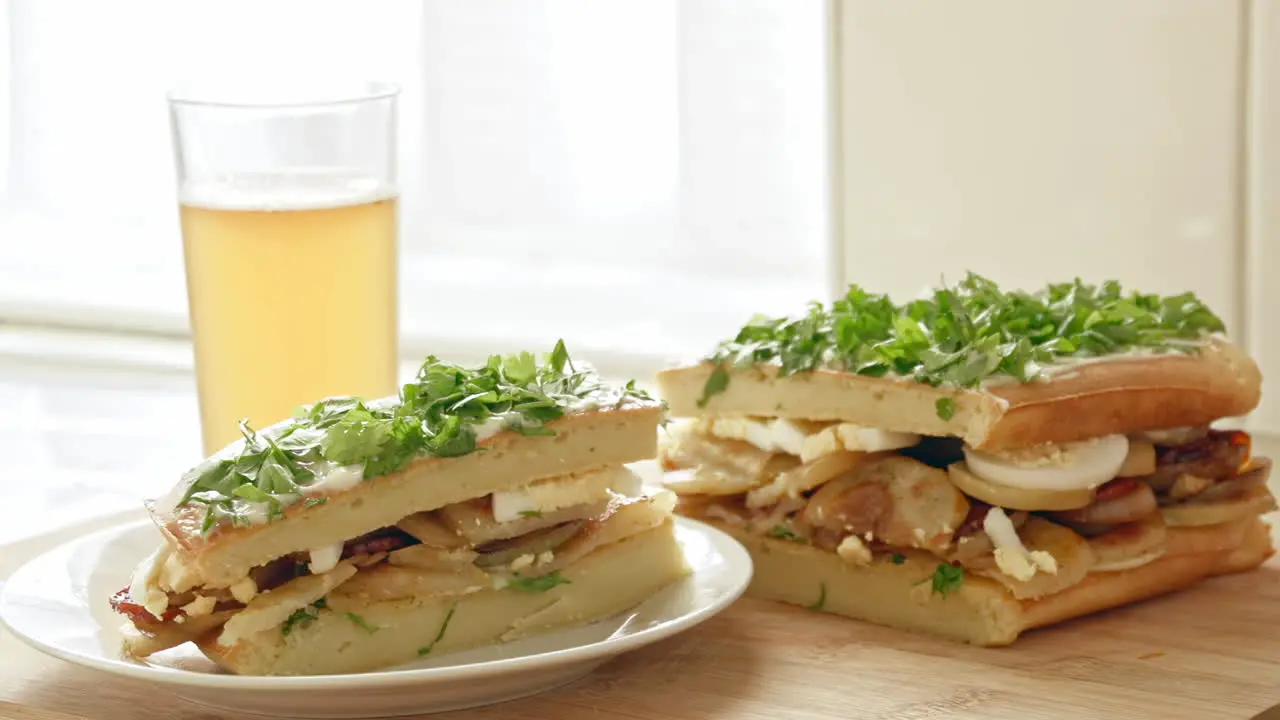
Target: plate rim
600	650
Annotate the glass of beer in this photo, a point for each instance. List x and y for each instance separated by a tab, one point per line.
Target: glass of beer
288	206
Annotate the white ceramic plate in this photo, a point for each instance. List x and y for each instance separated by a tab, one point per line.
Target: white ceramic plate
58	603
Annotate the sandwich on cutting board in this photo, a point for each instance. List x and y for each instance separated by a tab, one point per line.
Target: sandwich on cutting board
977	463
480	506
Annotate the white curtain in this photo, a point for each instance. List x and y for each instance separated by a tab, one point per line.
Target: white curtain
636	176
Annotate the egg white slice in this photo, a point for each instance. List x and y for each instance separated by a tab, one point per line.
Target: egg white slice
1068	466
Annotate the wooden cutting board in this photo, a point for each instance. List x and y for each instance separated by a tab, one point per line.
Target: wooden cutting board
1209	652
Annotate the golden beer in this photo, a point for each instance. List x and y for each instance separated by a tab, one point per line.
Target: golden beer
292	289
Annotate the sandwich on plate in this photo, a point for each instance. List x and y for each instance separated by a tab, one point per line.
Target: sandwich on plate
481	505
979	462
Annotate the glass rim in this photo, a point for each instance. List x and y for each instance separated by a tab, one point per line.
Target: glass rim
263	96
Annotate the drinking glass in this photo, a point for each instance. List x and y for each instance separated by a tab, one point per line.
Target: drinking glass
288	207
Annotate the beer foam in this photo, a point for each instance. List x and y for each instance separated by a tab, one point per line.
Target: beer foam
294	190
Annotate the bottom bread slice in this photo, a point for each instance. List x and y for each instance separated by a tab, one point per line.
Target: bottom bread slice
609	580
981	611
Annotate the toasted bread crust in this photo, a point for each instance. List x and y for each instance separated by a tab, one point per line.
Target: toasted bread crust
583	441
1118	395
981	611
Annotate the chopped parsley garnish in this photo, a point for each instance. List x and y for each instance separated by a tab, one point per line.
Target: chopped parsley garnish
782	532
946	578
540	584
531	513
897	558
822	598
946	408
302	617
364	624
963	334
716	384
434	415
314	501
424	651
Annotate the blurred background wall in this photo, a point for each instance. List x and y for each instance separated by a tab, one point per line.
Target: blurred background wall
640	176
1034	141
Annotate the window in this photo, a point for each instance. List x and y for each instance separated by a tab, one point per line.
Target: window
637	176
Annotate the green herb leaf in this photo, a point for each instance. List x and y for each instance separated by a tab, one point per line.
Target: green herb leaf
358	435
947	578
251	493
963	334
531	513
560	358
364	624
534	430
717	383
822	598
946	408
540	584
897	558
434	415
782	532
302	617
314	501
443	626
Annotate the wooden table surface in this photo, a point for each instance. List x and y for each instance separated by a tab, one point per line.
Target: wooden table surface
1208	652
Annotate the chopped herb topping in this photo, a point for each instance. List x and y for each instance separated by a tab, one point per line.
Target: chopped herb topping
314	501
963	334
531	513
364	624
782	532
424	651
897	558
302	617
716	384
436	414
540	584
822	598
946	408
946	578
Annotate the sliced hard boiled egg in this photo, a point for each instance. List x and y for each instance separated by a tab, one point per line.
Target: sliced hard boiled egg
1016	498
809	440
1069	466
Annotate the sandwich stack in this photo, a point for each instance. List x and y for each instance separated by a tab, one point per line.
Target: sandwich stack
977	463
480	505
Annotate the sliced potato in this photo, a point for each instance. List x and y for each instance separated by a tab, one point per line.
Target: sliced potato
1113	505
1187	485
506	551
1257	473
388	582
1129	541
1141	459
1194	513
473	519
272	608
625	520
1016	498
432	558
804	478
898	500
140	643
430	529
717	479
1072	553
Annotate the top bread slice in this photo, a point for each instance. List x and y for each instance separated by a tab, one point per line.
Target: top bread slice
1110	395
506	461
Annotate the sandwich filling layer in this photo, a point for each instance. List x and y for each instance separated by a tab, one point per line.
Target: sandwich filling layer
1038	521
